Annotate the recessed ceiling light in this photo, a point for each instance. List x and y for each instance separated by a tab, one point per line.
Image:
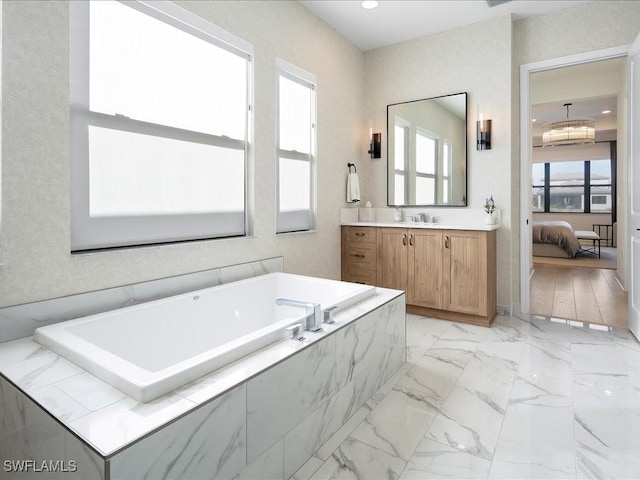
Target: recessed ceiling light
533	120
604	112
369	4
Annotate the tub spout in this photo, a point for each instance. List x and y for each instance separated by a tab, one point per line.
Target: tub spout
313	318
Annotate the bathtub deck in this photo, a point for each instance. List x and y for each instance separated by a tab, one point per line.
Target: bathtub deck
106	419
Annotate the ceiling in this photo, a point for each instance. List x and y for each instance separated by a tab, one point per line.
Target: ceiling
586	102
395	21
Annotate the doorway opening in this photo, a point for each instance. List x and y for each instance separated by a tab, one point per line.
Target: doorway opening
573	188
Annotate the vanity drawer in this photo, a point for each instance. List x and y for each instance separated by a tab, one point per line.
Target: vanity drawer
361	234
368	279
362	255
359	254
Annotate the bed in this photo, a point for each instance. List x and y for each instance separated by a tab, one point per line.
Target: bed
554	239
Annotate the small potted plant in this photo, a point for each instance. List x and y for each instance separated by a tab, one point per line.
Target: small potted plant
490	208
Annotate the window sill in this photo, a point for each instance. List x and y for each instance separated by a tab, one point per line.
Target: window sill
297	232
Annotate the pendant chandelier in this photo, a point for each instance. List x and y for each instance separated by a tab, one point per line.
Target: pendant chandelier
569	132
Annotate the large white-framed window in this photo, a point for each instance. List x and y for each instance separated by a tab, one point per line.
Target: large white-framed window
295	149
160	125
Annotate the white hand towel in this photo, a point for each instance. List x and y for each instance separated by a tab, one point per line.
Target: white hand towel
353	188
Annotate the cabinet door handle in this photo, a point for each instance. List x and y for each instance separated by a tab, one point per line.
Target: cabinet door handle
357	255
411	239
404	239
446	241
359	234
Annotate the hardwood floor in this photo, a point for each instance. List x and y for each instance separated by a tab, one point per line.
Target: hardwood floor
578	293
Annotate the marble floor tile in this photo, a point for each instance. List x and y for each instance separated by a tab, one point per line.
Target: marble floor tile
505	331
491	372
607	412
543	378
535	442
462	332
468	422
415	353
325	451
310	467
548	330
607	427
393	380
423	331
595	462
434	460
398	423
358	461
527	398
604	359
438	370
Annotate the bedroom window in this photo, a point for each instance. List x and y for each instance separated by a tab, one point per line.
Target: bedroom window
296	149
159	126
573	187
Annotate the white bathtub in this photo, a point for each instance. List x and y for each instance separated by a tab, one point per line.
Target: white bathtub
152	348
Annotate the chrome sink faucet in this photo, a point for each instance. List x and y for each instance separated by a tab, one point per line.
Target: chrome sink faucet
313	314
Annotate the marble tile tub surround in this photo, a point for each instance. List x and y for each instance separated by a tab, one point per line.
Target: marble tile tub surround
525	399
27	432
331	379
21	320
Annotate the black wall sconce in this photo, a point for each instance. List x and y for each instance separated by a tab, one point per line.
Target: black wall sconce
375	145
483	134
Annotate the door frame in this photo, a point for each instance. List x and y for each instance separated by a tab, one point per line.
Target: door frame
525	152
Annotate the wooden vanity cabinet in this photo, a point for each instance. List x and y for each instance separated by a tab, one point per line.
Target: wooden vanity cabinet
358	262
411	260
392	252
469	271
425	268
448	274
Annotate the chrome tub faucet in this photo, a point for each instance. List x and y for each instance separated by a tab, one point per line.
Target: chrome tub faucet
313	313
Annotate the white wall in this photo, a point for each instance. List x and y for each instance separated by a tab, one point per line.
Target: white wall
35	152
474	59
353	91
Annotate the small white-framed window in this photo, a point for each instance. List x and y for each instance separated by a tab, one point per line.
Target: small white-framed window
295	149
160	125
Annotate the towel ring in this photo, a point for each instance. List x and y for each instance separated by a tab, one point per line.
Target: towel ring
349	165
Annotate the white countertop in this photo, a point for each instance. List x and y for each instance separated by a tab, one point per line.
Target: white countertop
448	219
439	226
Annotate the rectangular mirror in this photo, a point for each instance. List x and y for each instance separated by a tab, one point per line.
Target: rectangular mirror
427	152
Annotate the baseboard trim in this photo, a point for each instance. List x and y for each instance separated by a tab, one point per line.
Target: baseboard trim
455	316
